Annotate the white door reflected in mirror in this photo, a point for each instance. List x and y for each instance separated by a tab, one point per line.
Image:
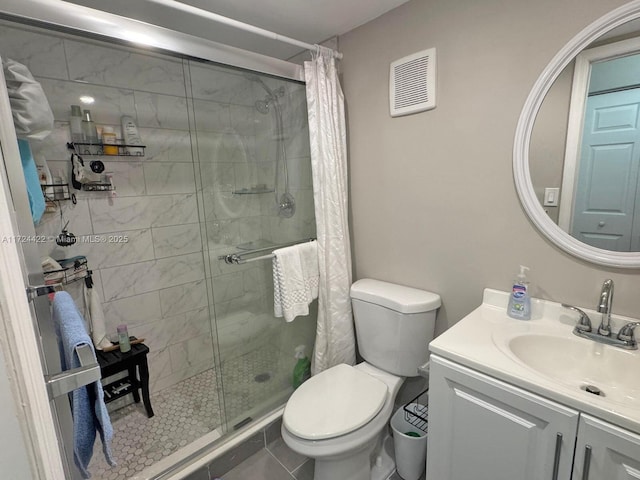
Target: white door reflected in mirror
600	172
605	193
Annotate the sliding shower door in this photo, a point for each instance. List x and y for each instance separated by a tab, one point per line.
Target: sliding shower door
225	169
255	193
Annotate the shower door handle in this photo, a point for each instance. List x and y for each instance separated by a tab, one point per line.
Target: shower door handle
70	380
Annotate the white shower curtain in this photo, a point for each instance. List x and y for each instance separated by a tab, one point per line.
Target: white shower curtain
335	340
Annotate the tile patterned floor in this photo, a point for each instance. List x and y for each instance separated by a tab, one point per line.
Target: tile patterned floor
242	393
265	465
278	462
183	413
189	410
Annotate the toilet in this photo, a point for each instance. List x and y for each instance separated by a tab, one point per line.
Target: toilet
339	416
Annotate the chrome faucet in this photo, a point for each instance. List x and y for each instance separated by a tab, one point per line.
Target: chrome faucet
584	324
625	338
626	335
604	307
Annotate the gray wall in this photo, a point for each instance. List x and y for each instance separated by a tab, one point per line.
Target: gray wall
433	198
549	138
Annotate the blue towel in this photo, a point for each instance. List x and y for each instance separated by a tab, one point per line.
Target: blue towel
34	191
89	410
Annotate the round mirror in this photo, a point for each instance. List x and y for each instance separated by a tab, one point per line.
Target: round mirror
576	156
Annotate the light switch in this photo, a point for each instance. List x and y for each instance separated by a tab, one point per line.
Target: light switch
551	195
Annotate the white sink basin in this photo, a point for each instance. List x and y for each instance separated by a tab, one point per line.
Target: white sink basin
581	363
543	355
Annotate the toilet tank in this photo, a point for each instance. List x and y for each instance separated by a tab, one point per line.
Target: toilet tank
394	324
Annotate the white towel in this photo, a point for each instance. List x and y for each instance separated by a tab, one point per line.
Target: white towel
95	316
310	270
295	279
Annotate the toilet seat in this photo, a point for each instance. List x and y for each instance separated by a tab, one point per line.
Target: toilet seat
333	403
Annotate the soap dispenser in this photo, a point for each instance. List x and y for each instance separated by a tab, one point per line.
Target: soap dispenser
519	301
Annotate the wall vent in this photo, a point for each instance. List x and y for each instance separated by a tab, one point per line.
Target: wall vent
412	83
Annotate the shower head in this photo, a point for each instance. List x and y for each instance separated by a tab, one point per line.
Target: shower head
262	106
259	81
285	203
271	94
286	206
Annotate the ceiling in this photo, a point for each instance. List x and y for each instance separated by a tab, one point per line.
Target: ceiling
305	20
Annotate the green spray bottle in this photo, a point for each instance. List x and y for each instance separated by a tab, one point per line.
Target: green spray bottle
302	370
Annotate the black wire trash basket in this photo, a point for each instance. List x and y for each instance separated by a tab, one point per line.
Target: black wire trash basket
409	427
417	410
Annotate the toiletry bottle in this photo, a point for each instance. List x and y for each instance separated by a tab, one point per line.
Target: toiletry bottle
131	136
89	128
109	141
302	370
519	300
75	124
123	338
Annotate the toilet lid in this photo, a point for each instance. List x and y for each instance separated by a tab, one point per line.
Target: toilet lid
334	402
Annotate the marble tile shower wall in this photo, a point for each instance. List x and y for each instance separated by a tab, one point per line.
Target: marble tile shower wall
204	139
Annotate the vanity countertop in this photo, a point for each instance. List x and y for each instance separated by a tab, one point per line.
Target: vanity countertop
485	340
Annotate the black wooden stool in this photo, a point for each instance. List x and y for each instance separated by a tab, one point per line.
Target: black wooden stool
117	361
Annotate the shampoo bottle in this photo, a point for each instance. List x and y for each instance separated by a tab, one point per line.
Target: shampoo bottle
131	136
109	141
75	124
89	130
519	300
302	370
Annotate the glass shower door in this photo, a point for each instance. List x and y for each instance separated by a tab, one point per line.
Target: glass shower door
221	146
252	144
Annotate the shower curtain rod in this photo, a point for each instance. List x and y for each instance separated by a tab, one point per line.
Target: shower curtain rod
241	25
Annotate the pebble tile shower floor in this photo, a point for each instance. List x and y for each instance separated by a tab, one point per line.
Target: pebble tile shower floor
189	410
183	413
243	391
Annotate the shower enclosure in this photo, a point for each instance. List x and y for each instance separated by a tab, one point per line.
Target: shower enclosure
226	170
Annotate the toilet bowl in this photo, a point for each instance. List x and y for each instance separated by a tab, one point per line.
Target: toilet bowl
339	416
334	452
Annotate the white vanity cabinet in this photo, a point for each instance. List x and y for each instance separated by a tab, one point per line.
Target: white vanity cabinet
605	452
482	428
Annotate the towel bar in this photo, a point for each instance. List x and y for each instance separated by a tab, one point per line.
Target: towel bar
236	258
36	291
69	380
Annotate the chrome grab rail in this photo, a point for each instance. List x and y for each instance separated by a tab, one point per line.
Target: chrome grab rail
236	258
70	380
36	291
